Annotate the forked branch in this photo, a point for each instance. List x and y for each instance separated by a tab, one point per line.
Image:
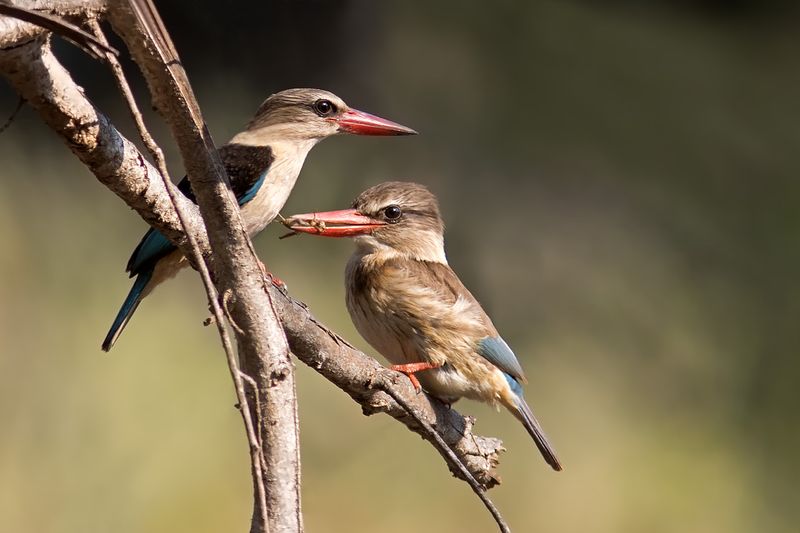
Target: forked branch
39	78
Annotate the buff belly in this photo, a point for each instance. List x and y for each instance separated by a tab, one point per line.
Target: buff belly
167	268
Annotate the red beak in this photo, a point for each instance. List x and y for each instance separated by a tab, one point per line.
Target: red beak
360	123
344	223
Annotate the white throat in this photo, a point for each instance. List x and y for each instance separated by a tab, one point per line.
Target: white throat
427	246
289	157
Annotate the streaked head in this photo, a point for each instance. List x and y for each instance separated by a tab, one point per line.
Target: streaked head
400	216
313	114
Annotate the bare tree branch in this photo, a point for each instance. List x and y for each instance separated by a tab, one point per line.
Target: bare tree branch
91	137
444	449
14	31
256	449
42	81
86	41
37	76
365	380
263	349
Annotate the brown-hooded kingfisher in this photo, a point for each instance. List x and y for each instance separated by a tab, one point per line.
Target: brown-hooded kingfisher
407	302
262	163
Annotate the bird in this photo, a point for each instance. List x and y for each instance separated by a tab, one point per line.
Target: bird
411	307
263	163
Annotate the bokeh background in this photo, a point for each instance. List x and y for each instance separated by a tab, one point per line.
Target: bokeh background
620	184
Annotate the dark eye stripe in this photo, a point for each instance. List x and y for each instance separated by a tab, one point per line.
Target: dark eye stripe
426	214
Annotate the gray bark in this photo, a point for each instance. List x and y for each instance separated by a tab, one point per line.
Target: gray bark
27	62
263	349
132	178
14	32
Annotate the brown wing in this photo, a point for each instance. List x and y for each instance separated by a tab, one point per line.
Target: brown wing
449	288
488	342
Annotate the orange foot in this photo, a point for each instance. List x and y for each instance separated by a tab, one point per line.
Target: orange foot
412	368
278	282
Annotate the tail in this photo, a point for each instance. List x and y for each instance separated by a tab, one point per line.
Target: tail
128	307
519	408
525	415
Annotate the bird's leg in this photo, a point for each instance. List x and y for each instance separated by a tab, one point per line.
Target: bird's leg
278	282
412	368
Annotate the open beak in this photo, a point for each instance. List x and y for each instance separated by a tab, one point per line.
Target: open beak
360	123
344	223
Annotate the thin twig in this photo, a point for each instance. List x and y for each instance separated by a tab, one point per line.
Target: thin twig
226	296
13	115
259	417
135	182
158	156
263	348
87	42
444	448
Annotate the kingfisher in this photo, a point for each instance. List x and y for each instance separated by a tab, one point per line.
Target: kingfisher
407	302
263	163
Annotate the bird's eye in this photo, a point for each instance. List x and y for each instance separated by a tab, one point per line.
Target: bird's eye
324	108
392	213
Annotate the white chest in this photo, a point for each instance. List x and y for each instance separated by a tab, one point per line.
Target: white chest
277	185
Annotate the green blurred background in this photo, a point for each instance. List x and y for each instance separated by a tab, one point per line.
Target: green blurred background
620	183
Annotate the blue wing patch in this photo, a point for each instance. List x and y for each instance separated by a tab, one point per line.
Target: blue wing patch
252	191
516	388
496	351
152	247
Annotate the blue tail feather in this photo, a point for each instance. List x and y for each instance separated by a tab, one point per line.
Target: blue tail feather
128	307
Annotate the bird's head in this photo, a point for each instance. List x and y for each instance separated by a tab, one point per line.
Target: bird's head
313	114
395	217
